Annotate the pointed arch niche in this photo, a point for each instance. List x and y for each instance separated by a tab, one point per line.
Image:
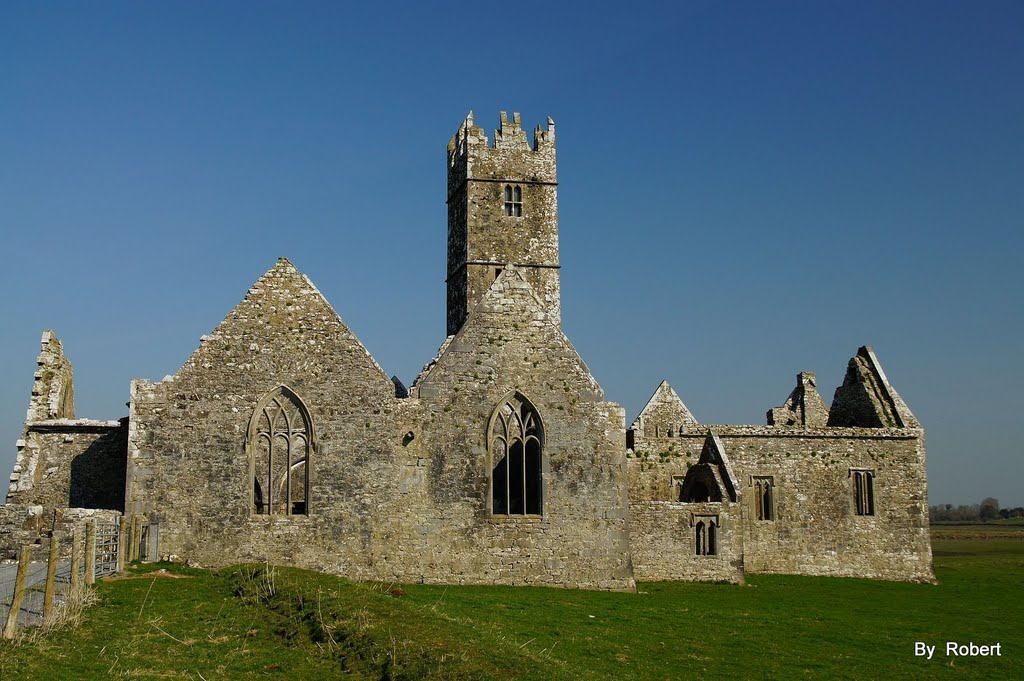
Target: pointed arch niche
279	444
516	444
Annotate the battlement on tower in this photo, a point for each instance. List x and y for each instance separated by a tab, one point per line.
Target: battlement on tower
470	147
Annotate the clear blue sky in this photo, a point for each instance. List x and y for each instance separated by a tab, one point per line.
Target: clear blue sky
748	190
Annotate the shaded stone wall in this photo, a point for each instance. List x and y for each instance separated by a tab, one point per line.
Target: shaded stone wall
71	462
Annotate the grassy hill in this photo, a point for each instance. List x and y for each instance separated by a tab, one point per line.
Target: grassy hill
254	621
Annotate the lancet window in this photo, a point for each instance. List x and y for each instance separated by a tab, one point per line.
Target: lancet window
863	491
764	497
516	445
279	444
706	536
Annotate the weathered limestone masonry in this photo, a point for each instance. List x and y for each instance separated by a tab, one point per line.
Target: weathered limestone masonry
282	439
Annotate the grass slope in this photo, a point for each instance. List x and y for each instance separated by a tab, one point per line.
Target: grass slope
247	622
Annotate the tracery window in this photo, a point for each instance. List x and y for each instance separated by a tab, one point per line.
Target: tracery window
516	444
514	200
863	491
706	536
764	497
279	444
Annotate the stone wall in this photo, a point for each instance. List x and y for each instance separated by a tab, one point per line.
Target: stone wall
816	529
398	487
71	462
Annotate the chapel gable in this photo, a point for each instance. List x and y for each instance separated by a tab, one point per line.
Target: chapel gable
664	415
711	479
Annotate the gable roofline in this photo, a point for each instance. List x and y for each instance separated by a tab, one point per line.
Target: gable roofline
663	388
511	277
282	265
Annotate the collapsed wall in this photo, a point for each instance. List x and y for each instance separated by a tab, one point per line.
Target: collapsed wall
65	461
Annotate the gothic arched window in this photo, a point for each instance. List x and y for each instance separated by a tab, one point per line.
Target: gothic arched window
279	444
516	443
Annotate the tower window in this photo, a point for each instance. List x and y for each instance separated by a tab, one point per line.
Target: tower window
514	201
863	491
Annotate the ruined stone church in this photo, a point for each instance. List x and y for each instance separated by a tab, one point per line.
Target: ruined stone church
282	439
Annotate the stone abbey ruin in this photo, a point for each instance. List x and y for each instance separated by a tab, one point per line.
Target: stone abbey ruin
282	439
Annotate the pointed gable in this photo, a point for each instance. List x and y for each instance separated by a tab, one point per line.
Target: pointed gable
510	314
285	327
866	399
664	414
711	478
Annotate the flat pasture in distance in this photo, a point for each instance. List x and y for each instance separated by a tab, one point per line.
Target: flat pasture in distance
248	622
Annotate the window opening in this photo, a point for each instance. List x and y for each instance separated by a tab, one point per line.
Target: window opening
864	491
279	443
705	540
764	497
516	445
513	201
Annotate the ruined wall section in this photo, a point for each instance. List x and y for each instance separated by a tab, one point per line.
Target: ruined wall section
188	462
803	407
63	461
77	463
668	540
53	393
31	525
866	399
816	529
511	343
482	237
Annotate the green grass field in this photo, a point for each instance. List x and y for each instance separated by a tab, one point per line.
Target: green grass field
239	623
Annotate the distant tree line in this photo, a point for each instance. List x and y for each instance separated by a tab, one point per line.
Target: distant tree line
988	509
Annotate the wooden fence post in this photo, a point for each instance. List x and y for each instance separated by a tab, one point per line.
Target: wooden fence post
76	558
136	536
51	574
11	628
90	552
122	538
